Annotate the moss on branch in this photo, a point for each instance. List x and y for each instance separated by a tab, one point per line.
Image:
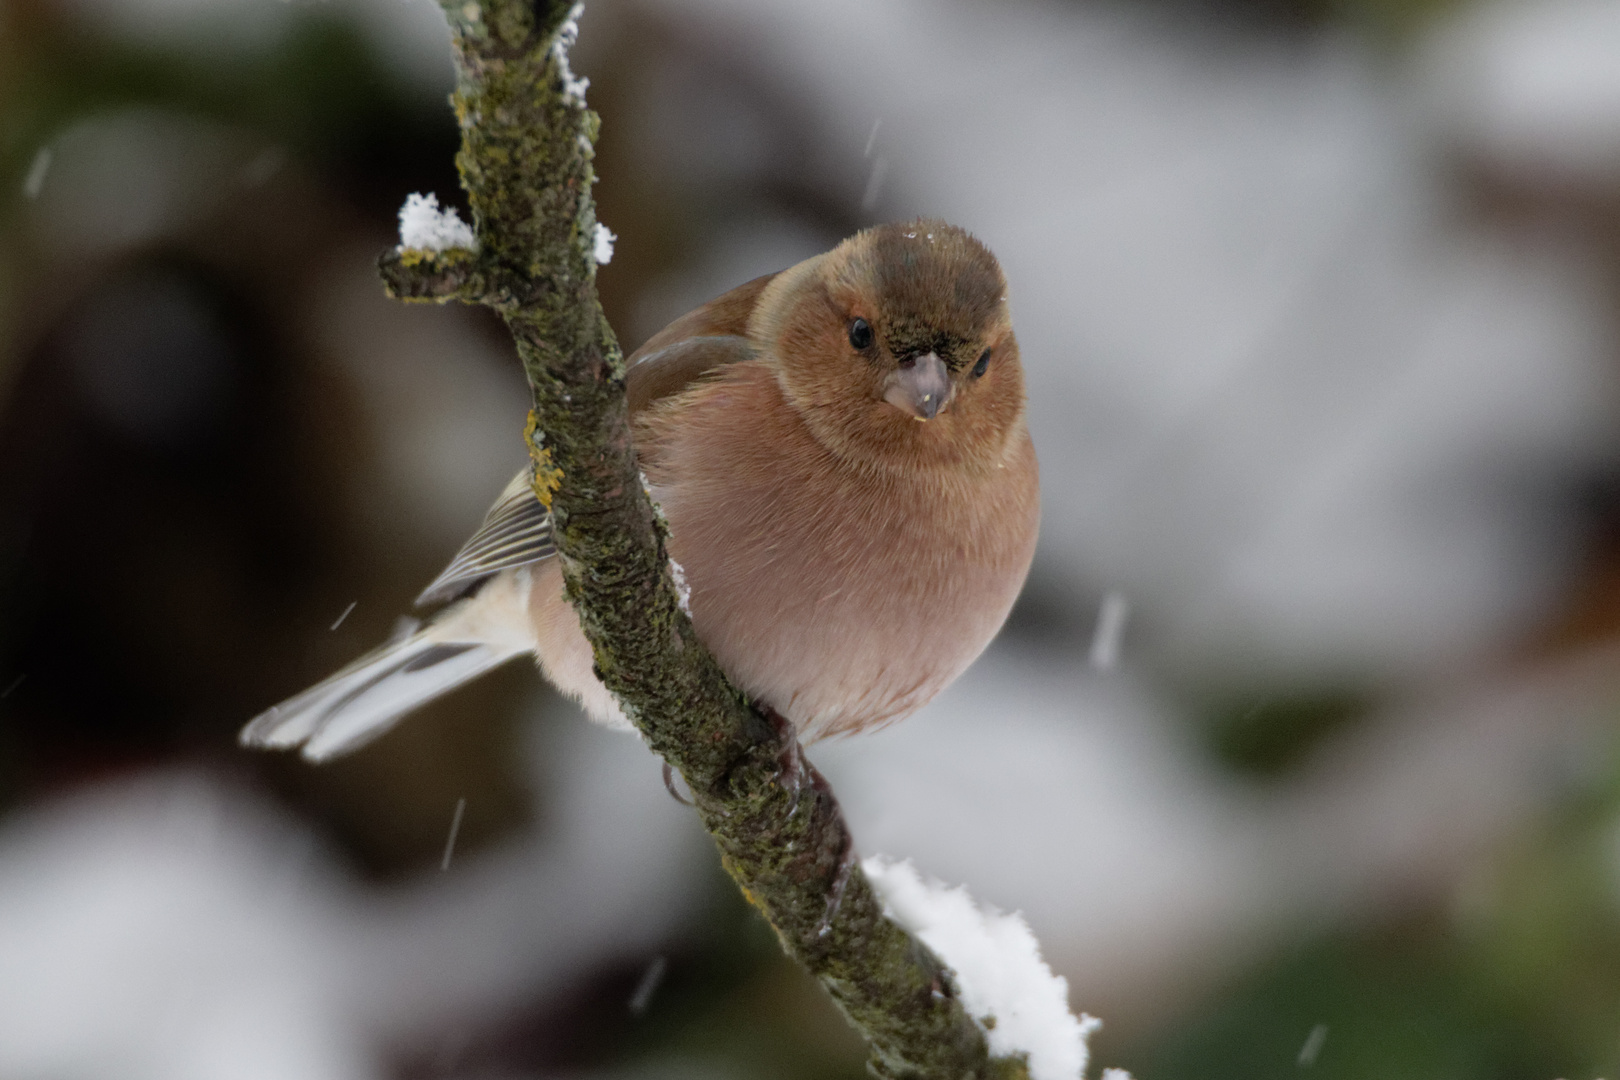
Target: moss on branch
526	163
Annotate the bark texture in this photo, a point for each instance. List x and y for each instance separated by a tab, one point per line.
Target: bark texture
526	164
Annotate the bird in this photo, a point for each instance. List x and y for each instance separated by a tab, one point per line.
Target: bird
842	456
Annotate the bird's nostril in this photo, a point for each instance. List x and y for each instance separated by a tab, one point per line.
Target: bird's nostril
909	362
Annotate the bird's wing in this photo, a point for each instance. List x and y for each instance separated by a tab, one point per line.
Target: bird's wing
517	529
515	532
655	376
695	344
725	315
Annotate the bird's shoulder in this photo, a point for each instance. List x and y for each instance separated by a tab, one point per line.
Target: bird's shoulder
696	344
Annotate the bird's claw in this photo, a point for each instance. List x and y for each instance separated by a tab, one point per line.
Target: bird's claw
840	882
792	770
669	786
790	764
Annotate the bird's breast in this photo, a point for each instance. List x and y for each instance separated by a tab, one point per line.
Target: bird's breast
842	597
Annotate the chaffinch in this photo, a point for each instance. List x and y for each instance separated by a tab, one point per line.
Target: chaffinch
842	455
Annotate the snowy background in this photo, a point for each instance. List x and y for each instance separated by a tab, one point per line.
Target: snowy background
1318	302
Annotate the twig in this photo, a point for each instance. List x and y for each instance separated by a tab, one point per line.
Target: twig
525	161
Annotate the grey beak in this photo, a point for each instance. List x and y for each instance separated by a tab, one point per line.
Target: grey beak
921	387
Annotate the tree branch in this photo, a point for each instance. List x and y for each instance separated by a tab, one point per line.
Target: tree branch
525	161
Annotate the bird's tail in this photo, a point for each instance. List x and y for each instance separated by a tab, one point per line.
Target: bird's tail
365	699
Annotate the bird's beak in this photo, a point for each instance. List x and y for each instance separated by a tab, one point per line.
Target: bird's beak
920	387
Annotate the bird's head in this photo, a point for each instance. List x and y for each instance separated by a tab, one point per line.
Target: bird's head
897	347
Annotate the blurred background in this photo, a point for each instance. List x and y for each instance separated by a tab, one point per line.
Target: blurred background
1299	752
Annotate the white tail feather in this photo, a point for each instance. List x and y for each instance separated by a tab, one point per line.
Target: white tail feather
365	699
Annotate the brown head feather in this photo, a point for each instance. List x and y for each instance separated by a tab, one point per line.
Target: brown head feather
922	286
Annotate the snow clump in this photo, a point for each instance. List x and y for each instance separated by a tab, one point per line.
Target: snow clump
604	244
683	591
1004	983
424	227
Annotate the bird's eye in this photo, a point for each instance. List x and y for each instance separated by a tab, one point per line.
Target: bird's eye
984	362
860	334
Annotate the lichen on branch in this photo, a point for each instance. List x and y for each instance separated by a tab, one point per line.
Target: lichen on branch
526	158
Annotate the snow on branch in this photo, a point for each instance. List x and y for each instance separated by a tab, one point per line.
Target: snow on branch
604	244
573	87
424	227
1004	983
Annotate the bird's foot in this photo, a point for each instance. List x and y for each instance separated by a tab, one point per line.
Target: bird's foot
840	882
793	771
669	786
790	763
